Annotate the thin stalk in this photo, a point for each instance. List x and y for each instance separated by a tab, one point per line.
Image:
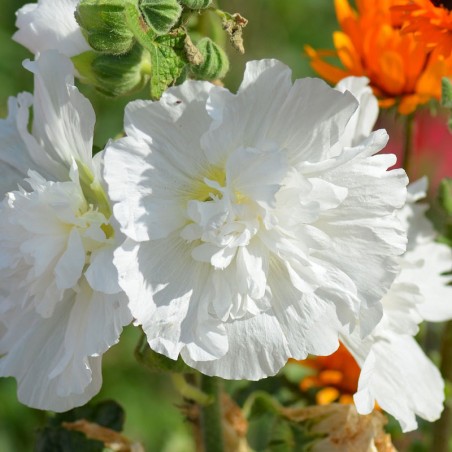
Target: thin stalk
443	427
211	416
408	143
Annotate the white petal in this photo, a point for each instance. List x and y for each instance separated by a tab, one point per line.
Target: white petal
239	120
397	374
257	349
169	295
35	347
50	24
70	265
101	274
64	119
364	118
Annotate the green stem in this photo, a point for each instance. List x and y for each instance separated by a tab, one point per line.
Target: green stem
211	425
443	427
189	391
408	143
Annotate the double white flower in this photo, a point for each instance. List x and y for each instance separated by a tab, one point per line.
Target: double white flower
254	234
60	303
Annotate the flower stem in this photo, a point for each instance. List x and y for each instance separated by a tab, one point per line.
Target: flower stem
211	418
189	391
443	427
408	143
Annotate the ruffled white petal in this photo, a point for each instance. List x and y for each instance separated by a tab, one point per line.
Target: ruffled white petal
50	24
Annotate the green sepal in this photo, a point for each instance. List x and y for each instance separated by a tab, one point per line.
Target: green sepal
156	362
104	25
168	61
93	190
215	63
196	4
160	15
115	75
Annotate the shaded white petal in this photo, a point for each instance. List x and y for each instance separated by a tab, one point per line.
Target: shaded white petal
70	265
95	322
101	274
169	295
50	24
34	347
63	121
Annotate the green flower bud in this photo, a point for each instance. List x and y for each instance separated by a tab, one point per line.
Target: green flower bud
104	25
160	15
215	64
115	75
196	4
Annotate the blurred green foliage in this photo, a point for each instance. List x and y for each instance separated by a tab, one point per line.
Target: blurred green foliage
276	29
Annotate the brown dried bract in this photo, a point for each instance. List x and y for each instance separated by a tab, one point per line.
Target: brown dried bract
345	429
234	28
111	439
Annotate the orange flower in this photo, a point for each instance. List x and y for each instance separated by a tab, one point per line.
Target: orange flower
336	377
401	68
430	21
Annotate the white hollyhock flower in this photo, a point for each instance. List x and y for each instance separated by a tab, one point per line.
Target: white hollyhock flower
60	303
50	24
251	236
395	371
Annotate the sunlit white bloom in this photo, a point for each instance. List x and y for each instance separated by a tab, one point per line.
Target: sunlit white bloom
60	303
395	371
50	24
253	233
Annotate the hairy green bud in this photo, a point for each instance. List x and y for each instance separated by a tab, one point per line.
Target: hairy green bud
115	75
104	25
215	61
160	15
196	4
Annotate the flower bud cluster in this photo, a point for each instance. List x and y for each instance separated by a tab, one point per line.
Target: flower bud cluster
135	40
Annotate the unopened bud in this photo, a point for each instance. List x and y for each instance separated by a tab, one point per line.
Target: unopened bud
196	4
104	25
115	75
215	62
160	15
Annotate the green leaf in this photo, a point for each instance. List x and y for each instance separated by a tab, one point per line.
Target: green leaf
287	436
168	61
